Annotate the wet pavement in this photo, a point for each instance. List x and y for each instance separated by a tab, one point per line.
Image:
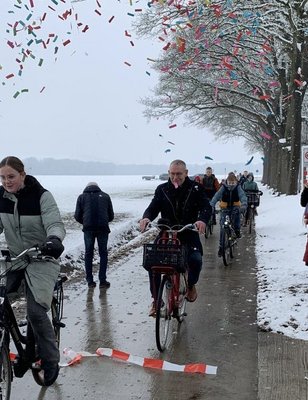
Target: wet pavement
220	330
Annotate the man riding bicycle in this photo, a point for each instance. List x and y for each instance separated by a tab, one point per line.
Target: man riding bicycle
181	201
211	186
233	200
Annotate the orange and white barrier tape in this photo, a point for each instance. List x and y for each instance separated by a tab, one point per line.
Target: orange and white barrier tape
74	357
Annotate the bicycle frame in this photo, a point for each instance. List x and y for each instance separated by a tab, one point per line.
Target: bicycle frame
170	298
24	343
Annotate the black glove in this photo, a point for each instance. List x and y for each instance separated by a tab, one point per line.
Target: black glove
53	247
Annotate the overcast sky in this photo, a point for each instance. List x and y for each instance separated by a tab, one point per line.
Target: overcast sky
83	102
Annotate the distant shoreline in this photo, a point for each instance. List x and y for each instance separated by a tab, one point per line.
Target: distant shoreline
67	167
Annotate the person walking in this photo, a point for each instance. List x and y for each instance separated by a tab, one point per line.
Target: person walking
29	216
180	201
94	211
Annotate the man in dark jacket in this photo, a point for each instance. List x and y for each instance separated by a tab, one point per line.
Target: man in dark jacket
181	201
94	211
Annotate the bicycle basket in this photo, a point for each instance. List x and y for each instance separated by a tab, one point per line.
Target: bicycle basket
253	199
172	255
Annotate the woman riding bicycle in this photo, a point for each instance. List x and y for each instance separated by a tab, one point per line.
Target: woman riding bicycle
233	200
29	216
181	201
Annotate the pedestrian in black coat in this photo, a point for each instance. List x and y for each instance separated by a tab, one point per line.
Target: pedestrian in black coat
94	211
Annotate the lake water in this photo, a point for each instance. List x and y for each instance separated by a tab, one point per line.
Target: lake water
128	192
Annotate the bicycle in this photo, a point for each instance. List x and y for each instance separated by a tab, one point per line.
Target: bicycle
253	201
167	257
229	240
209	226
10	328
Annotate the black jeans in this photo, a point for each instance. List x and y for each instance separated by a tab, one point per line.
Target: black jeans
89	241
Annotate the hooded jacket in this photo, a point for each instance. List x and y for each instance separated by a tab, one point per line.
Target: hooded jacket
250	185
27	218
184	205
94	209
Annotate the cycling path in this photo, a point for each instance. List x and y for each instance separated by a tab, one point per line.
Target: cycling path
220	330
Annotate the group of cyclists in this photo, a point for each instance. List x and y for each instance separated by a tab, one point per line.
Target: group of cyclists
182	200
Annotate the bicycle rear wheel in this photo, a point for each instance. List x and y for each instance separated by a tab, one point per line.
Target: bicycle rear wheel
163	313
182	299
227	251
5	373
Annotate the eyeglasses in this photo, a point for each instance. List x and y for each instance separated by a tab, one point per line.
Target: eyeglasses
8	178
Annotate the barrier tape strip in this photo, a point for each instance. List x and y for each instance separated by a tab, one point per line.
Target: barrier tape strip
75	357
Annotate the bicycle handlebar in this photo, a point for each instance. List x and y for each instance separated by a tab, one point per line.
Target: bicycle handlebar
33	253
169	228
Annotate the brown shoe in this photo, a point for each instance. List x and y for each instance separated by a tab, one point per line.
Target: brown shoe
152	312
191	295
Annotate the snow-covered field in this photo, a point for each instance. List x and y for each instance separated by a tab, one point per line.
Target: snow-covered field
280	242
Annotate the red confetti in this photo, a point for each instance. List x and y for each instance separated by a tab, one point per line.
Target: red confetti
11	44
97	12
43	88
172	126
43	17
9	76
111	19
85	28
265	97
66	42
127	34
132	43
127	63
98	3
31	3
51	8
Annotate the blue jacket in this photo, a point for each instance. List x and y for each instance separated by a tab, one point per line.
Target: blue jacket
230	197
94	210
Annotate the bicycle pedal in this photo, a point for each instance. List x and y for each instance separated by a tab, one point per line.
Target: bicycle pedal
59	324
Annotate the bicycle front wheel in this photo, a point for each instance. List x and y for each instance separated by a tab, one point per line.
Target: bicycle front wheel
5	373
182	298
227	252
163	313
55	320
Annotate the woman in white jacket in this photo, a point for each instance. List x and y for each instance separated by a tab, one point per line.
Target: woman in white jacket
30	216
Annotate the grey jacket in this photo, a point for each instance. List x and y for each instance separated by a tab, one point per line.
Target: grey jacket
27	219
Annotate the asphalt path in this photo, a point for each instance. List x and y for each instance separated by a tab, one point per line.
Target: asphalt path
220	330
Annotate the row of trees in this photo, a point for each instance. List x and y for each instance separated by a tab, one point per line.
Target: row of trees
239	68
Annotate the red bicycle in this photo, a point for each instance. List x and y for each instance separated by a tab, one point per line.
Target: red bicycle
167	258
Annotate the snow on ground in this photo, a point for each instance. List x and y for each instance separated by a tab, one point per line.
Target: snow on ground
282	275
